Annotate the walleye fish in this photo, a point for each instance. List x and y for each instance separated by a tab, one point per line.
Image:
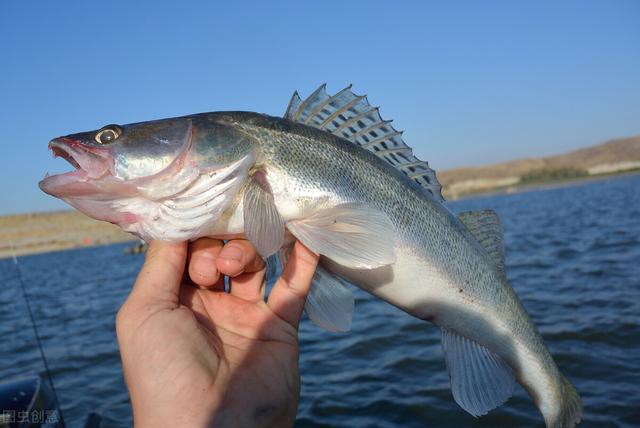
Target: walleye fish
336	176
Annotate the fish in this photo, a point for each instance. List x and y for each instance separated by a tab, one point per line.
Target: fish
334	175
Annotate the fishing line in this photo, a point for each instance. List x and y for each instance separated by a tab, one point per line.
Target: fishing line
35	332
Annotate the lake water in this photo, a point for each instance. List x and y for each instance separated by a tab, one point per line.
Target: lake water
573	256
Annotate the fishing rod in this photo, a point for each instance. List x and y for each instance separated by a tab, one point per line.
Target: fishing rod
36	334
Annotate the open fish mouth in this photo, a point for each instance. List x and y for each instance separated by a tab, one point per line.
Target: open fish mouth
89	163
62	153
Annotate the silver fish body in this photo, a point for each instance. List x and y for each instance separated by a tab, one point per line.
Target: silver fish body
442	274
271	179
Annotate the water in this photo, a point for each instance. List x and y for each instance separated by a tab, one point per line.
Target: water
573	256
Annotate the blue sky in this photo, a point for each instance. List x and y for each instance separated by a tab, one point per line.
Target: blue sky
471	83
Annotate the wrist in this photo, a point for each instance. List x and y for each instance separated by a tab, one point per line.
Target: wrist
201	414
173	416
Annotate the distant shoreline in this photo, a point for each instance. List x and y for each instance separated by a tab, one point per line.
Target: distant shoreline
552	184
35	233
613	157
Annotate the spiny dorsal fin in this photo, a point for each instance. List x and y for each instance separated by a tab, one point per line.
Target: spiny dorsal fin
485	227
293	105
351	117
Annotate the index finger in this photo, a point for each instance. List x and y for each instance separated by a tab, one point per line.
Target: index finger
239	256
202	263
289	294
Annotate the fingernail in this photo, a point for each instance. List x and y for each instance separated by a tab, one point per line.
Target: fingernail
232	252
203	263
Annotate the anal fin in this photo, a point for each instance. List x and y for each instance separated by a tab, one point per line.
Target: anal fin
480	379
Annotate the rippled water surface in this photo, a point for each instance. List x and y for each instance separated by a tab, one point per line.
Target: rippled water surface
573	256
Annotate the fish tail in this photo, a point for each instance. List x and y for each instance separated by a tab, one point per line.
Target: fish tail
571	407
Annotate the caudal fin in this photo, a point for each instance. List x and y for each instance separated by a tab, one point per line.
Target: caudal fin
571	410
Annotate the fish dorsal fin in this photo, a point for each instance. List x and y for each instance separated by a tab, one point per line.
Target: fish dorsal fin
485	227
351	117
480	379
293	105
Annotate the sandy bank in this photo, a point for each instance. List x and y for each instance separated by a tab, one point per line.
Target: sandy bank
53	231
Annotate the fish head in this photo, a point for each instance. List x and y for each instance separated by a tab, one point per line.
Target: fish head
114	158
132	175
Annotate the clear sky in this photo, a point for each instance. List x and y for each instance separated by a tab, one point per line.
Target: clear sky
471	83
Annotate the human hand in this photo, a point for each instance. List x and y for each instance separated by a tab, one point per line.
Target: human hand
194	355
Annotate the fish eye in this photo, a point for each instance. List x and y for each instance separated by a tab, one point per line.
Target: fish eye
108	134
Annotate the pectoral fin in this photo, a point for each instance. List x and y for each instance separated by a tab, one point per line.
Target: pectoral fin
263	225
352	234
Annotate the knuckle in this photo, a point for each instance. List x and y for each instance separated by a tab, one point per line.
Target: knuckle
246	246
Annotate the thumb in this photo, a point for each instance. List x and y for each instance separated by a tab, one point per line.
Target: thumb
161	275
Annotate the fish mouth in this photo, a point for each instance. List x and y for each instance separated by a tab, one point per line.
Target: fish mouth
90	165
59	152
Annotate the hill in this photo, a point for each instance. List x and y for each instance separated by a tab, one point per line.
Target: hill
614	156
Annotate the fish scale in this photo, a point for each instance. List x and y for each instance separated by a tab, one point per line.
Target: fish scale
461	272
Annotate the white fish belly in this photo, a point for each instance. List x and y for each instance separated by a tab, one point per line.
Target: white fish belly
411	283
425	292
